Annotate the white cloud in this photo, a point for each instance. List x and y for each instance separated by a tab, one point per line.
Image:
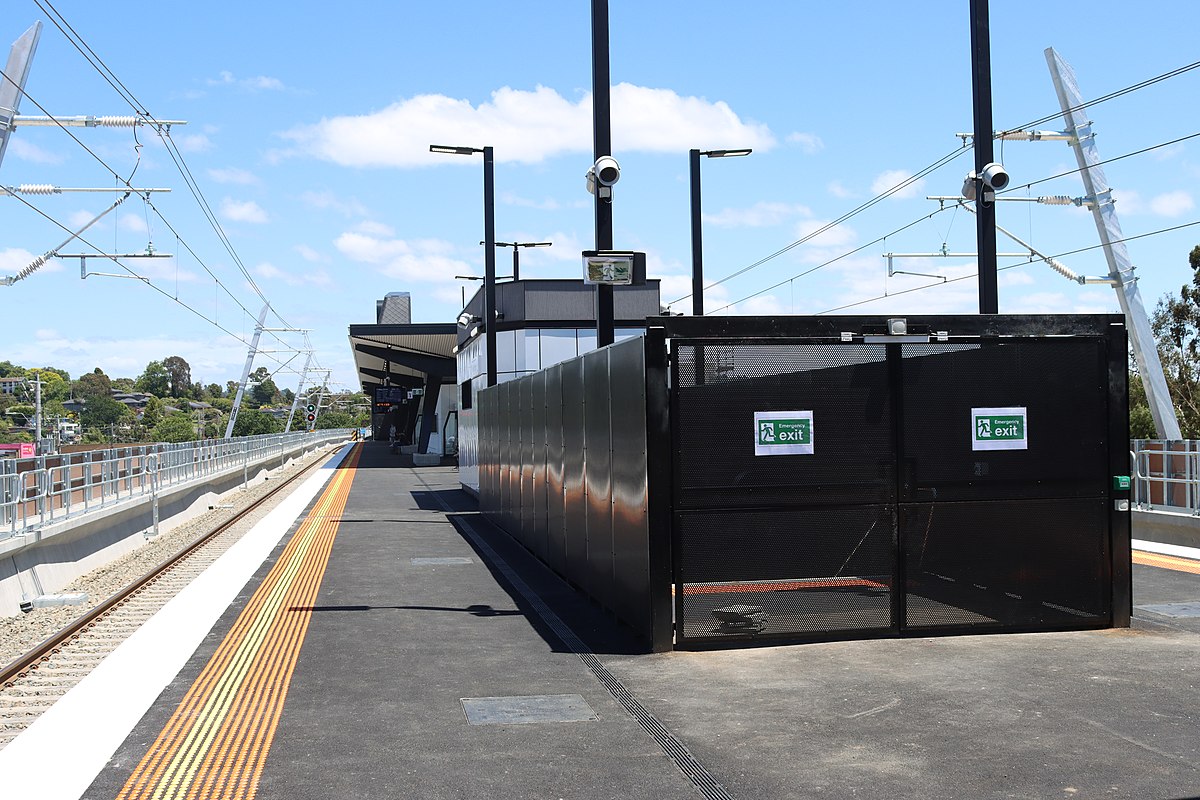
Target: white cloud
836	237
303	276
254	84
24	150
193	143
511	199
838	190
346	206
373	228
810	143
1172	204
892	177
15	259
132	223
523	126
419	261
128	357
233	175
1128	201
308	253
247	211
759	215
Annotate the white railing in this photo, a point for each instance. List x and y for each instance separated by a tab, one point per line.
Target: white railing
1166	475
37	491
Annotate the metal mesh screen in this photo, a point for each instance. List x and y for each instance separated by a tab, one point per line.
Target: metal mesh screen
784	573
1060	382
1031	564
718	389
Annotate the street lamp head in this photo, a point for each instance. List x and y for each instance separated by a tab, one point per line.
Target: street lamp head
726	153
452	150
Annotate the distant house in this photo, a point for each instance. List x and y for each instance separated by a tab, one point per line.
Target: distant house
10	385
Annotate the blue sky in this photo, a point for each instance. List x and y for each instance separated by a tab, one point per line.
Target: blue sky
308	133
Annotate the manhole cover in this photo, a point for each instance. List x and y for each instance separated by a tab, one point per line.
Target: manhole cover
443	560
1189	609
533	708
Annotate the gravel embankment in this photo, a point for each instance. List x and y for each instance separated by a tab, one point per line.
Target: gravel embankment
20	634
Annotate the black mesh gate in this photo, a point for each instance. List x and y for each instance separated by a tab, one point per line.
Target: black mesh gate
828	488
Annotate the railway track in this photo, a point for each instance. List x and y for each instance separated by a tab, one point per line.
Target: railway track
36	680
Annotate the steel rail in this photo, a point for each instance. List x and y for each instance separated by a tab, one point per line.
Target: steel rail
47	648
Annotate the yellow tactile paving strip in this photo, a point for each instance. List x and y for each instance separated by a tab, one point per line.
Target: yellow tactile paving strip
216	742
1166	562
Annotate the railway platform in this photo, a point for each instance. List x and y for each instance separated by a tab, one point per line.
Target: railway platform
377	639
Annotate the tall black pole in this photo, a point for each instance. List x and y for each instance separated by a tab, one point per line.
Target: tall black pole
489	262
516	261
697	243
981	88
602	136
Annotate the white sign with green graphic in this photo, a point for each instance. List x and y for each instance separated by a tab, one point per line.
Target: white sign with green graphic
999	428
779	433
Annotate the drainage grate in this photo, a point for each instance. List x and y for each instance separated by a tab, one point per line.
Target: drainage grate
1189	609
525	710
442	560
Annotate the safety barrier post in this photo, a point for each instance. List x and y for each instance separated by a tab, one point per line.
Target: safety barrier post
152	467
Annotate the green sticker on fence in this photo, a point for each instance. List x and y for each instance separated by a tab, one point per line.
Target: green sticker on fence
1004	428
783	433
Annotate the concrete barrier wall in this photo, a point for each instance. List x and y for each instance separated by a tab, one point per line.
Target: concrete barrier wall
46	560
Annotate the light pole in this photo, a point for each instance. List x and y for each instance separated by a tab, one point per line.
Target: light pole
697	246
516	273
489	252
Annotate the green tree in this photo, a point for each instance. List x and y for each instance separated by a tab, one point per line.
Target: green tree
175	428
93	384
252	422
54	385
223	404
264	392
154	380
231	388
179	376
11	370
152	414
213	391
101	412
335	418
1176	324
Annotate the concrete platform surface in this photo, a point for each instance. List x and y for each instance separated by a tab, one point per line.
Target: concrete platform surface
423	605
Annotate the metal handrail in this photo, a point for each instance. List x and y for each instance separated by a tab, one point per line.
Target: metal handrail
37	491
1166	475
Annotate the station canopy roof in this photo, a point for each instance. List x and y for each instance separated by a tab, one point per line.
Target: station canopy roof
403	355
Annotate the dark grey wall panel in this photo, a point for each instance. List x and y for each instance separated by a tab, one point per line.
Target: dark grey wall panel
630	523
597	456
507	423
525	466
538	454
556	535
574	500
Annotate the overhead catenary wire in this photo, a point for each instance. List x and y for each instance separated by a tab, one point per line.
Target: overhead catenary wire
966	147
173	151
177	158
1141	151
1008	267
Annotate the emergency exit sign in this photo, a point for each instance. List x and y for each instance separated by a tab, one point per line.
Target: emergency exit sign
1004	428
783	433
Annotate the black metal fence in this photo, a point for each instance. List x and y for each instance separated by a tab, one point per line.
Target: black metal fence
814	477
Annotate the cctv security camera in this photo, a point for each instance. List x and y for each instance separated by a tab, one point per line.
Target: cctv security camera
994	176
607	170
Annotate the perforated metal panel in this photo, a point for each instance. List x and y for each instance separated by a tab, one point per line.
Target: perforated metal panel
845	387
806	571
896	491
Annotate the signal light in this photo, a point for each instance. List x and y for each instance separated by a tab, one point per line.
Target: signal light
312	417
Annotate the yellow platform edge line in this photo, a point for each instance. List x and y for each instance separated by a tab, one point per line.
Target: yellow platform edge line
169	768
